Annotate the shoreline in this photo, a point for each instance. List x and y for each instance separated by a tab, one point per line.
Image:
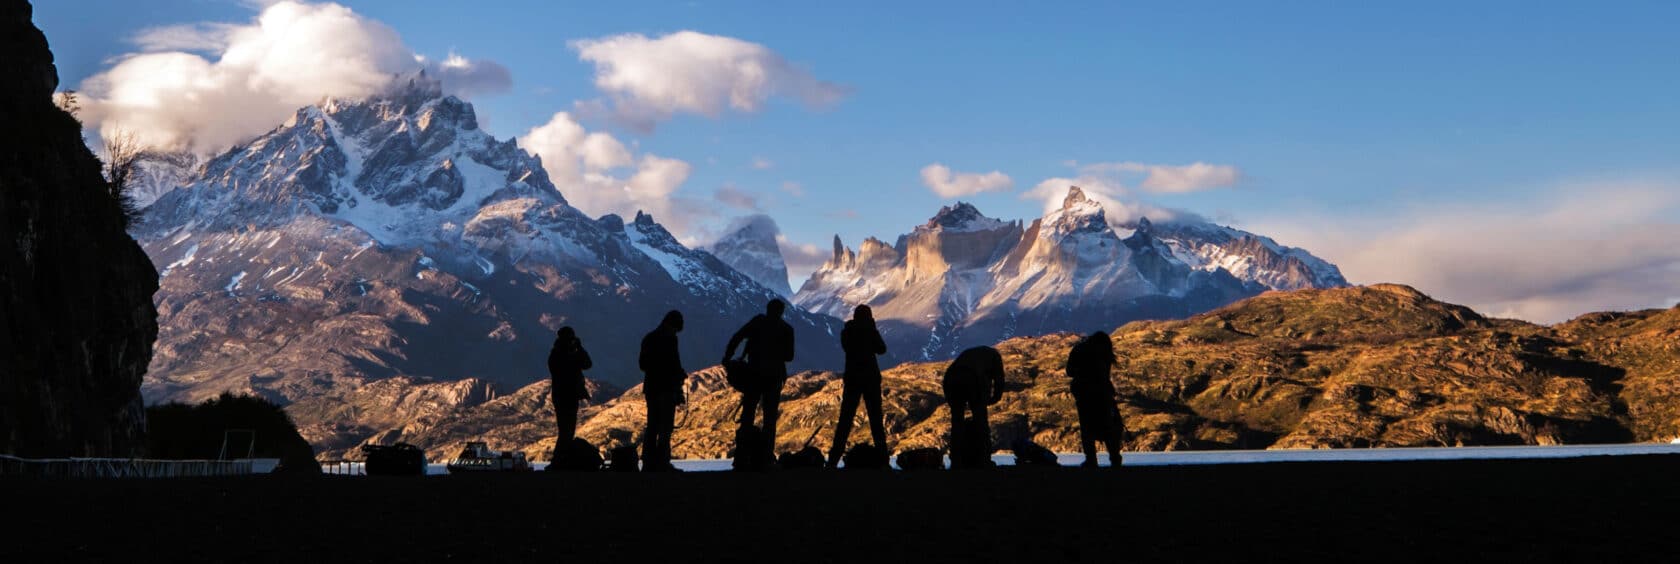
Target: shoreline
1597	508
1223	457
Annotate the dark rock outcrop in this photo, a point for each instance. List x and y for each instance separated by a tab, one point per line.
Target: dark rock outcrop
76	316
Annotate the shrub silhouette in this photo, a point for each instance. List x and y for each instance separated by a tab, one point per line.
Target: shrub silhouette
178	431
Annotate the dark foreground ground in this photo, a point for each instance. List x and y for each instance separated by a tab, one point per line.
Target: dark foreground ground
1583	510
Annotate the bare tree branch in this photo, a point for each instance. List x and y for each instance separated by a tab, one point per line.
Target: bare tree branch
70	102
122	151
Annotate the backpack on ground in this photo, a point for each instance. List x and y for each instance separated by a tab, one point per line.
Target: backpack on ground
1029	453
921	459
576	456
809	457
866	456
623	458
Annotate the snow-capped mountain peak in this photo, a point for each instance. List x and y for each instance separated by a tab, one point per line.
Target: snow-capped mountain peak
962	217
947	285
749	244
1078	214
391	237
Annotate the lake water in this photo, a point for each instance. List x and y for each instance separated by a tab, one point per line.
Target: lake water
1179	458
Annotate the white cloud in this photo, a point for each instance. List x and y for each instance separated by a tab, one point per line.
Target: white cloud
761	163
1118	207
1107	183
468	78
648	80
1573	250
568	151
1172	179
794	189
256	74
599	175
204	37
947	184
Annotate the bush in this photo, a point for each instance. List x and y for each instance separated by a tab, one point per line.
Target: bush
177	431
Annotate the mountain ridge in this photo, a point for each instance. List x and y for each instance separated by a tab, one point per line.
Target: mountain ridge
964	279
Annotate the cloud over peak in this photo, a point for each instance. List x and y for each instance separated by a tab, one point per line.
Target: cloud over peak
599	175
1172	179
647	80
207	86
948	184
1118	206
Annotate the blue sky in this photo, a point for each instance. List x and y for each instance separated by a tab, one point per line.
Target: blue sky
1358	128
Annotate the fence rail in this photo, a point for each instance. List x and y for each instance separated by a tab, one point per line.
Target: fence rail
120	467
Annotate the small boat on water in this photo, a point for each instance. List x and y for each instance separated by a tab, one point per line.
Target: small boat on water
477	457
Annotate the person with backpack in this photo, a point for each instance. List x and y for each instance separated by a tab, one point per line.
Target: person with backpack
861	340
1088	366
662	382
566	362
971	383
769	347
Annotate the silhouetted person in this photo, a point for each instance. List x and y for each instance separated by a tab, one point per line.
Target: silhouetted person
769	349
861	341
973	381
566	363
1088	366
662	382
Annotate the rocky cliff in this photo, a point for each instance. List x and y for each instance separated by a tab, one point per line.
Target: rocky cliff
1378	366
76	316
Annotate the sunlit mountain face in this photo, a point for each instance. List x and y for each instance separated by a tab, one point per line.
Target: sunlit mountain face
964	279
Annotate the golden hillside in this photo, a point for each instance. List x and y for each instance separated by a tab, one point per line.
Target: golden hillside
1376	366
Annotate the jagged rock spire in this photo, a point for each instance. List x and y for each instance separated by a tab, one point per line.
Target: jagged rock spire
1075	196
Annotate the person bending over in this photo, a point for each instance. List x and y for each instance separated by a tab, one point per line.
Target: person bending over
972	382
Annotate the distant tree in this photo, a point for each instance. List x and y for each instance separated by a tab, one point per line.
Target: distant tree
176	431
122	151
